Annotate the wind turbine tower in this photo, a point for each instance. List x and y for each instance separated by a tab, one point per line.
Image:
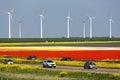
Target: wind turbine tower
68	26
110	27
84	29
91	25
20	29
9	19
41	26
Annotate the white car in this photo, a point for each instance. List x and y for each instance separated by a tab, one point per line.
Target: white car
8	61
49	64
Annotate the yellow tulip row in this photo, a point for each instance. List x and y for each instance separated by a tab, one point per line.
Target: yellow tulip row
77	42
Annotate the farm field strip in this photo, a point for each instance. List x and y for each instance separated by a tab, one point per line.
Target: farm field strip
83	53
49	43
57	48
77	55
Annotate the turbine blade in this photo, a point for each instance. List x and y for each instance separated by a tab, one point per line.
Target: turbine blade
69	12
94	17
11	18
70	18
43	17
86	19
113	21
88	15
12	10
20	20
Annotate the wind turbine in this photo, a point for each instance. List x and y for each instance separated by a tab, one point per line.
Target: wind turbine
41	25
20	29
91	25
9	19
84	28
110	27
68	25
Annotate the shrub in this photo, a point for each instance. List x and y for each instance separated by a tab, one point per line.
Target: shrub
116	75
63	74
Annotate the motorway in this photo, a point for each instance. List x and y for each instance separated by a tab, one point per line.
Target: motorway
81	69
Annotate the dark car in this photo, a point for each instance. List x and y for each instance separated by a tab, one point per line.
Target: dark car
8	61
90	65
31	57
66	59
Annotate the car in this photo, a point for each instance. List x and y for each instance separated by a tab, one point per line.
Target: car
66	59
49	64
90	65
8	61
31	57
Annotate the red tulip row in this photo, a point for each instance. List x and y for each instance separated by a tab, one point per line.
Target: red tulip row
77	55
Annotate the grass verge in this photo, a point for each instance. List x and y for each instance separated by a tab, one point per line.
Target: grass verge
18	72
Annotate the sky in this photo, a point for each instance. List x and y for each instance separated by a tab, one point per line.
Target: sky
55	21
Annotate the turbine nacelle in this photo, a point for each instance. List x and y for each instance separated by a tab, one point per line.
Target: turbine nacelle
11	11
91	17
69	18
111	20
8	13
41	15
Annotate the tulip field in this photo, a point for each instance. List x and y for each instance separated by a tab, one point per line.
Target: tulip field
107	55
76	48
81	53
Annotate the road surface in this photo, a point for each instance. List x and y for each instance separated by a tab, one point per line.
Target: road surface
81	69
